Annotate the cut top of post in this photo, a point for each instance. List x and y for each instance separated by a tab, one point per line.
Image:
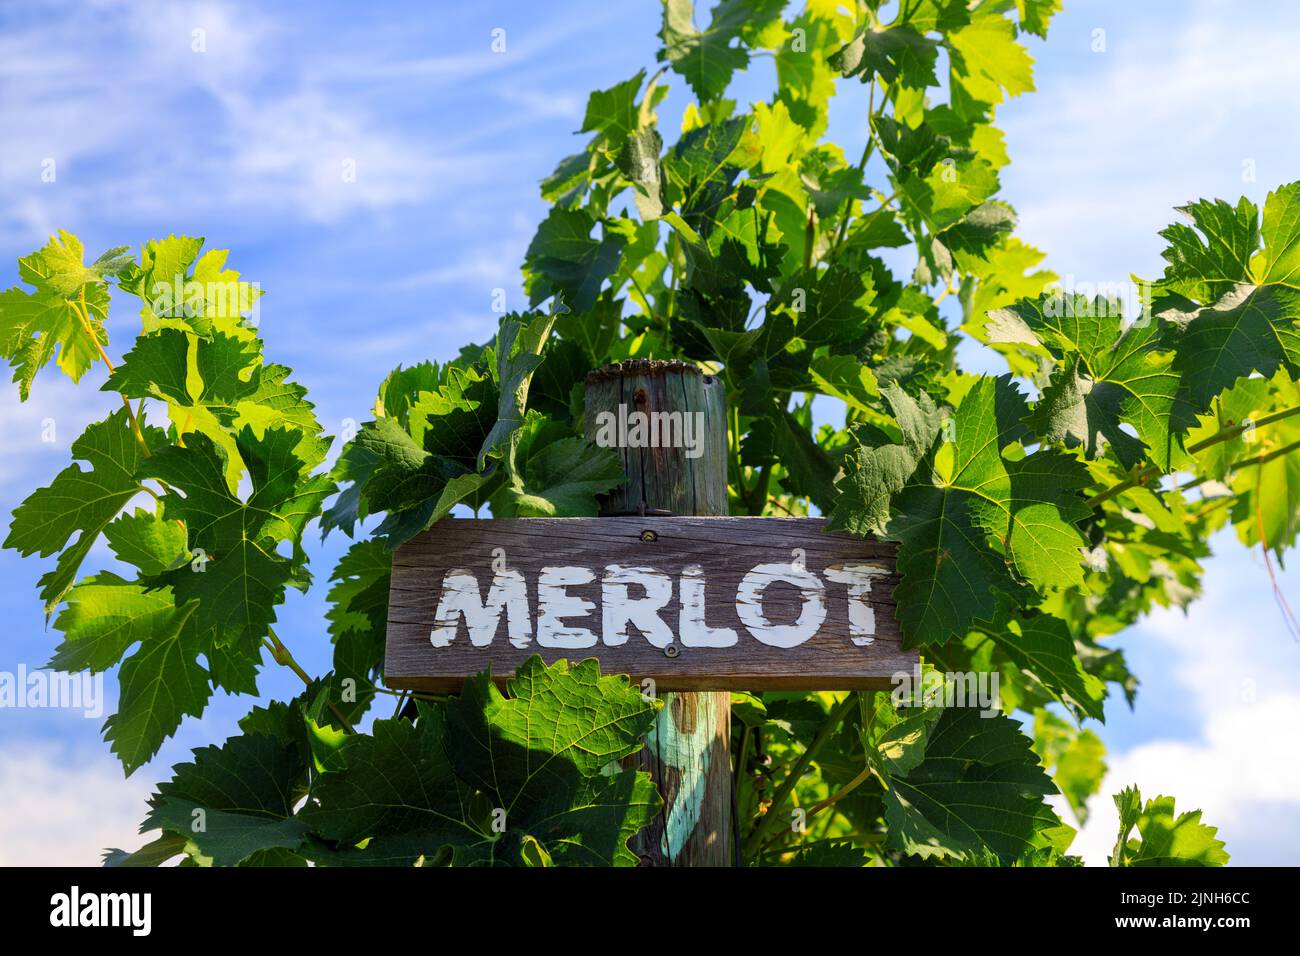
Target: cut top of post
667	422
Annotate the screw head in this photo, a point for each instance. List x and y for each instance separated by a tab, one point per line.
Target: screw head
648	535
671	650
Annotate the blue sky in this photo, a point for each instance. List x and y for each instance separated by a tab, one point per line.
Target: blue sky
244	143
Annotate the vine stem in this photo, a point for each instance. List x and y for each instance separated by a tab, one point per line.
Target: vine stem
83	313
862	163
281	655
867	773
833	720
1142	476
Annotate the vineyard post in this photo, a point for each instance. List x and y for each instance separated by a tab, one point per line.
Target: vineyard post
688	750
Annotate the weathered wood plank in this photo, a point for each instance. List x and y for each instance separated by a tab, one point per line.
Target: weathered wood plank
718	554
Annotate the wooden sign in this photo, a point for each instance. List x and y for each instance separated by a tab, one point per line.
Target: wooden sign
711	603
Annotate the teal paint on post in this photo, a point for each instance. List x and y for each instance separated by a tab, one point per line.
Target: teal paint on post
689	754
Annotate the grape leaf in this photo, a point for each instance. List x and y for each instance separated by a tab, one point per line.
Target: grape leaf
1166	840
1042	646
243	574
215	385
160	682
706	58
612	113
536	758
36	325
358	615
987	62
564	258
1249	299
979	787
1074	758
560	479
81	501
1250	329
518	349
899	51
971	522
182	290
1205	269
233	801
1107	376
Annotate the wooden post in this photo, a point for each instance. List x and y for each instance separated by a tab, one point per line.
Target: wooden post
688	750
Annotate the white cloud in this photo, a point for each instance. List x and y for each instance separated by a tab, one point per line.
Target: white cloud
1232	666
1169	113
64	807
214	108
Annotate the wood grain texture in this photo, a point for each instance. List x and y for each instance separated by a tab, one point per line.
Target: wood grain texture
725	548
688	753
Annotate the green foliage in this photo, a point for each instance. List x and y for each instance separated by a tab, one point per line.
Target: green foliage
1164	840
1033	512
482	780
210	564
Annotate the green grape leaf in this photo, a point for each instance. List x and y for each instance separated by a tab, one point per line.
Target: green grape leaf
828	854
898	51
971	522
1245	301
158	685
396	788
519	352
1108	376
415	488
1042	647
560	479
233	801
65	313
1250	329
358	615
104	616
240	574
845	378
215	385
182	290
81	501
639	162
980	787
1206	269
535	759
1075	759
1165	839
1035	15
707	58
830	308
874	474
612	113
564	258
894	738
160	682
987	62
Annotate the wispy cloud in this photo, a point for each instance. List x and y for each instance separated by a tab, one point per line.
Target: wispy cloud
63	807
1174	108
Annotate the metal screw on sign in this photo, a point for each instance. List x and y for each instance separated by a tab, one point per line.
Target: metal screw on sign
671	650
649	535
